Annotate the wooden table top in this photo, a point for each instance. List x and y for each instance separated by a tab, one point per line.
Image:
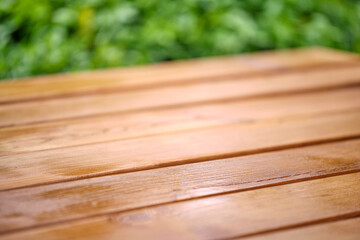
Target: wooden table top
257	146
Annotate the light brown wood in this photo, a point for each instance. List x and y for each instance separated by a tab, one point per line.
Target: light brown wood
255	146
345	230
166	73
58	202
220	217
184	147
46	110
121	126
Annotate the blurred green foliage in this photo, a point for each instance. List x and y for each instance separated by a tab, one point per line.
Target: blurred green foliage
48	36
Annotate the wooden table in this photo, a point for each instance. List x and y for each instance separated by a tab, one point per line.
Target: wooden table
259	146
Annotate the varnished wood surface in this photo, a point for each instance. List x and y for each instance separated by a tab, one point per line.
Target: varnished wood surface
227	89
259	146
224	216
168	73
345	229
116	192
39	167
57	134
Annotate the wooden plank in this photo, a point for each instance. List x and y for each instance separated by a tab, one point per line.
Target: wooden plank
166	73
83	198
219	217
348	229
121	126
39	111
24	169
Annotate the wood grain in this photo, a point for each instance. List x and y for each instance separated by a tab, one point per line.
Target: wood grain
178	148
83	198
219	217
121	126
166	73
348	229
256	146
46	110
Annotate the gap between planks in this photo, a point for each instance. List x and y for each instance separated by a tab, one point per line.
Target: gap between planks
168	73
345	229
187	82
314	223
76	107
98	196
26	169
214	217
76	132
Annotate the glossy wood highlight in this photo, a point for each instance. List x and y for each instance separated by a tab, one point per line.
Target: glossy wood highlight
221	217
121	126
256	146
30	206
178	148
345	230
64	108
166	73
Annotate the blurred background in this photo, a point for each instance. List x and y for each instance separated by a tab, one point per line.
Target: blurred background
51	36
